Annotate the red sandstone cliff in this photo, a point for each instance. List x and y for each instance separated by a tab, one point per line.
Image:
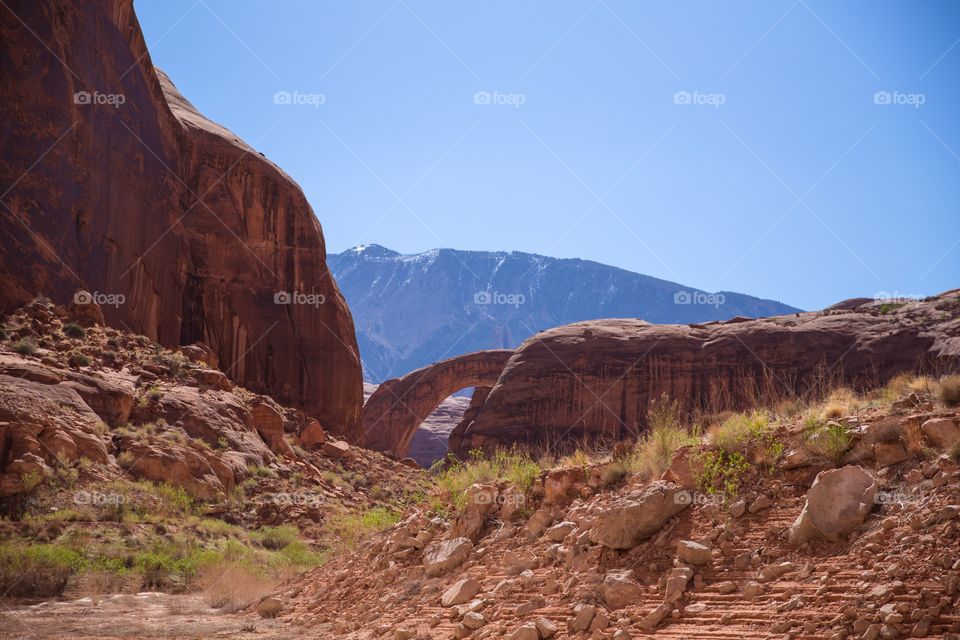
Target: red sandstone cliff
598	377
151	201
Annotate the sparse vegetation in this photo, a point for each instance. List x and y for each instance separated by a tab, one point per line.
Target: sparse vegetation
666	434
826	439
950	390
78	359
512	467
721	472
25	347
349	529
74	330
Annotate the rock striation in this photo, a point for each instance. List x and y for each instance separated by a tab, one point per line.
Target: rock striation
116	185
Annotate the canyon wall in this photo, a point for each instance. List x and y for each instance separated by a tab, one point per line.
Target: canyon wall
113	183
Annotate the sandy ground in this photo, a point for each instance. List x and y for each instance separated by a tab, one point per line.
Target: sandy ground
128	616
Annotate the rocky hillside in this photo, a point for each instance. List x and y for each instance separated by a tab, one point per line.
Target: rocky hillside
414	310
843	524
115	185
126	466
597	379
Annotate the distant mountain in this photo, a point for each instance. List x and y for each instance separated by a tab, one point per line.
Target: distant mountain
412	310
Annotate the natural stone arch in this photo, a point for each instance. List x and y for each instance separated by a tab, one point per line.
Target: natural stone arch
393	412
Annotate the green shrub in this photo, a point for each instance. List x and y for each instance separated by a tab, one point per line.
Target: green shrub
276	538
349	529
721	472
36	570
74	330
78	359
512	467
827	440
25	347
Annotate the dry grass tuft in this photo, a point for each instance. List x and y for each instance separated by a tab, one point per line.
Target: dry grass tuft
231	587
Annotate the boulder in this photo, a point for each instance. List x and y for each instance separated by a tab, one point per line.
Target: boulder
942	433
620	590
693	553
642	513
480	500
561	485
583	615
312	434
446	555
336	449
460	592
268	422
838	501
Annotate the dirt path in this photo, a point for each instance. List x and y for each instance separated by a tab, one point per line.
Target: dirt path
144	615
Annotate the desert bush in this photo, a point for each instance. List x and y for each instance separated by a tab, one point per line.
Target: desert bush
276	538
740	429
36	570
349	529
721	472
78	359
950	390
25	347
655	451
512	467
74	330
232	586
827	440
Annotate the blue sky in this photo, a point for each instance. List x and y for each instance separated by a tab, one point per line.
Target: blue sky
738	146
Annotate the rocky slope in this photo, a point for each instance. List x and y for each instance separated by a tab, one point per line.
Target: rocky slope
116	185
99	428
412	310
598	378
587	553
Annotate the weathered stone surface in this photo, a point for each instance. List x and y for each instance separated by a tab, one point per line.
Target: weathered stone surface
620	590
393	412
838	501
190	230
445	555
631	519
942	433
598	378
460	592
693	552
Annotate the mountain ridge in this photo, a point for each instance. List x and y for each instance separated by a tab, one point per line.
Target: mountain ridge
414	309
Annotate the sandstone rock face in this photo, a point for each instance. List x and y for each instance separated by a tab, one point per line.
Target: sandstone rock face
598	378
942	433
176	227
393	412
838	501
637	516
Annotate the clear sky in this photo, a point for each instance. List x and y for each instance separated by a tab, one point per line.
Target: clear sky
738	146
